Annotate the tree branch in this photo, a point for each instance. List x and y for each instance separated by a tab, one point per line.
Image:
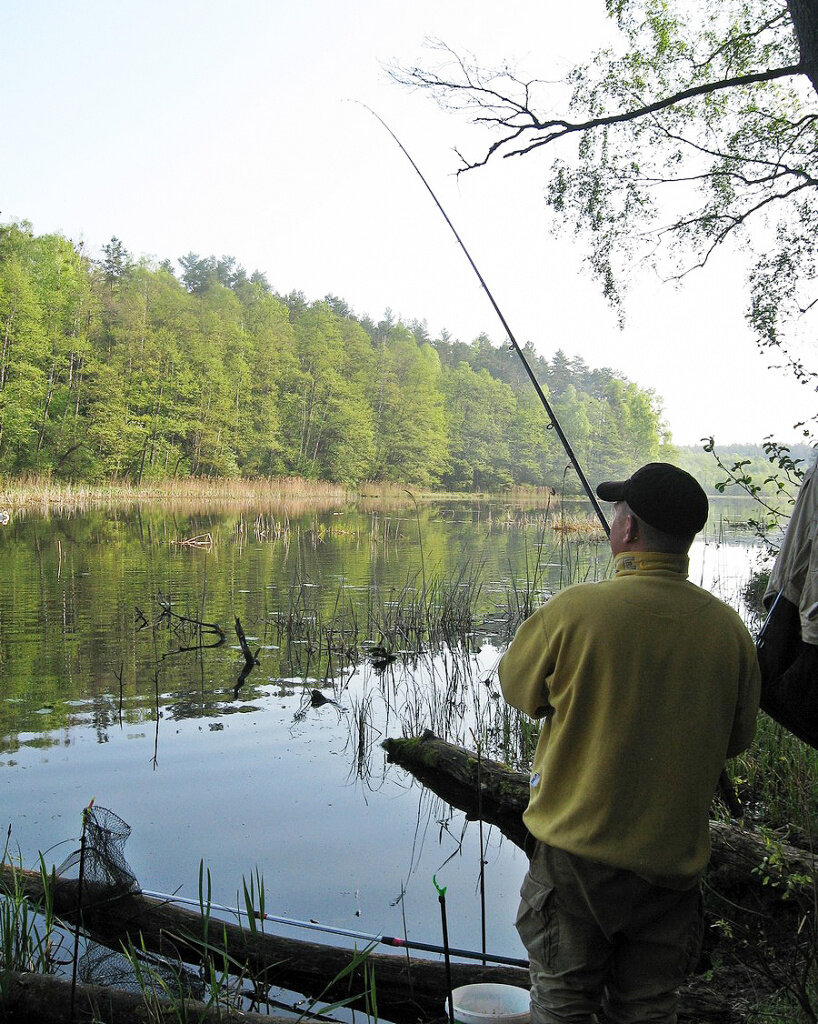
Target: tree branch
778	169
731	43
731	224
559	128
516	117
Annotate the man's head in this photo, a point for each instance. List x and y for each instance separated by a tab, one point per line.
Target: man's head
659	508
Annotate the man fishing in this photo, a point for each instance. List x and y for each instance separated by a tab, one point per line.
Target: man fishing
646	684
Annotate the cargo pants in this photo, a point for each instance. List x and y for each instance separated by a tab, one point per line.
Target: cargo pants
604	939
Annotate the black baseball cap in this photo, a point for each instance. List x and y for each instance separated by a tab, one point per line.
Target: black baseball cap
664	496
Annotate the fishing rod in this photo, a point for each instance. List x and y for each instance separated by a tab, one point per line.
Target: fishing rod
555	423
383	940
724	781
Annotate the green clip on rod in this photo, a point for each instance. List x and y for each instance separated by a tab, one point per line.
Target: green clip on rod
546	404
441	897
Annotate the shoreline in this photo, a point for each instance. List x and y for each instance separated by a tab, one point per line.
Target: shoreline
44	495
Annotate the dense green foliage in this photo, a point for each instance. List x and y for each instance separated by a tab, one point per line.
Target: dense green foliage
119	369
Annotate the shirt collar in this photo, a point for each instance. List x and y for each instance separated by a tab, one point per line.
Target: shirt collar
627	562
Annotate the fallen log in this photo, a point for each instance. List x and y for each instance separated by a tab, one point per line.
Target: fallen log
451	771
740	857
747	881
407	989
46	999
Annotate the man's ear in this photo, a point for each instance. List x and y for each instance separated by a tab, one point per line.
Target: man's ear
631	529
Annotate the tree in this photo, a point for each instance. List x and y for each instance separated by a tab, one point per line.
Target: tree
230	273
60	276
410	419
701	129
24	347
116	261
273	373
331	418
198	272
535	452
479	411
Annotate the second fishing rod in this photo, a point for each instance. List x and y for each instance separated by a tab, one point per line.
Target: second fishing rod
384	940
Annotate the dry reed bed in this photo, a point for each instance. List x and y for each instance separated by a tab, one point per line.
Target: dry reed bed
44	496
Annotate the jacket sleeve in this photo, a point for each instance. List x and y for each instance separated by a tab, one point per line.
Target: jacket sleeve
527	665
744	722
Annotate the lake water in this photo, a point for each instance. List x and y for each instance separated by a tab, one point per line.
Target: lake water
101	700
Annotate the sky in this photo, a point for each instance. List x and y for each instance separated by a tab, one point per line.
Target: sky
242	129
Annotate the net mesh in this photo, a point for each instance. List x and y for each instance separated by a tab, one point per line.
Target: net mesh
101	854
104	866
105	837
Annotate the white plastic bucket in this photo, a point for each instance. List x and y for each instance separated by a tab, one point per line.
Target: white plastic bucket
491	1004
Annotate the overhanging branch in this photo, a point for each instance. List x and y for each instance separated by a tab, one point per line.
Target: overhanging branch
559	128
516	118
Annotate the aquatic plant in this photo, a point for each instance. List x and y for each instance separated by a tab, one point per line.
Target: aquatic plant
30	937
261	496
224	983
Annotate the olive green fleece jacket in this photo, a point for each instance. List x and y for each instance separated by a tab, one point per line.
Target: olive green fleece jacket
648	683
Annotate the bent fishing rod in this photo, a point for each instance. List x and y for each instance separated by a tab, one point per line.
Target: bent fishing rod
724	781
384	940
555	423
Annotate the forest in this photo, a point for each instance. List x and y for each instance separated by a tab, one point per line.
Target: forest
130	369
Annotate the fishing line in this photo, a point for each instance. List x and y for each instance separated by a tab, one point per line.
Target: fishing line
569	451
384	940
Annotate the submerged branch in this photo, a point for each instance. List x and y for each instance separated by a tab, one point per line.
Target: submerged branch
204	627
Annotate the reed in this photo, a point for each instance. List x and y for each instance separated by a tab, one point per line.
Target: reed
421	614
44	495
223	982
363	736
577	524
429	613
777	779
30	937
164	991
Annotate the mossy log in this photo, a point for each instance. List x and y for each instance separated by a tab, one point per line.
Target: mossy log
740	857
747	882
451	772
408	989
46	999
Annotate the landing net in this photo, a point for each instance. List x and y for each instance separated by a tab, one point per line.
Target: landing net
105	869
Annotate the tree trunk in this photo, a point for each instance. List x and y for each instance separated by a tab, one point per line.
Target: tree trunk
804	14
49	395
451	772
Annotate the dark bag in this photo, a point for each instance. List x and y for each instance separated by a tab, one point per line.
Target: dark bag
789	673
